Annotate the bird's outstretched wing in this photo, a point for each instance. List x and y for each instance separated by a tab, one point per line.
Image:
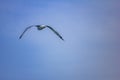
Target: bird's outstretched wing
25	31
56	32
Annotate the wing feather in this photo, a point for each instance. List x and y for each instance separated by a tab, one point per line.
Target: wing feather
25	31
56	32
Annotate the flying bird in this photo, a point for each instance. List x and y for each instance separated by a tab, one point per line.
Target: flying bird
41	27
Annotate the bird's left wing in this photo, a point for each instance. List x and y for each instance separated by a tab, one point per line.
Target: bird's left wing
56	32
25	31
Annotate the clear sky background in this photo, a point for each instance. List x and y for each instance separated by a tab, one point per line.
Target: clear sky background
91	50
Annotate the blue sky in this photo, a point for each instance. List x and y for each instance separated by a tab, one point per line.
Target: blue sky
90	50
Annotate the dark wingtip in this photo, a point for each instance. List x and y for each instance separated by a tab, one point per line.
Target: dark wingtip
20	37
62	39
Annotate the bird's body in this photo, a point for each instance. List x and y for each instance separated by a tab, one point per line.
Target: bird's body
41	27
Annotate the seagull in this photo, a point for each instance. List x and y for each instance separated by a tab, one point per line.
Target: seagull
41	27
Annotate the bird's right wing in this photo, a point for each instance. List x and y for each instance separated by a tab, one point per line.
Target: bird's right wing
25	31
56	32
